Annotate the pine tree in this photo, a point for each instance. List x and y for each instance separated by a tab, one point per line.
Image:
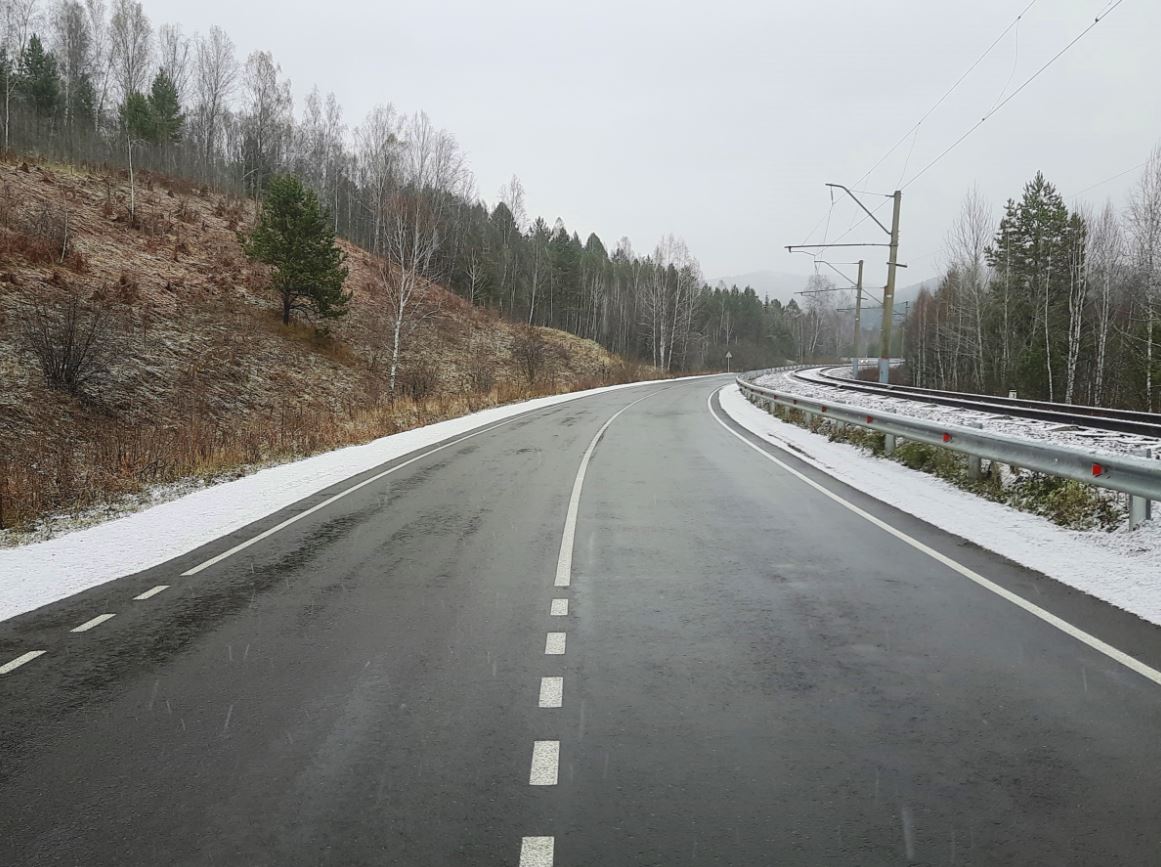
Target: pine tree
295	237
168	119
1032	253
38	80
137	118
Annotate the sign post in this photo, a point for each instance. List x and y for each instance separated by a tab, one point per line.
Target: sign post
729	355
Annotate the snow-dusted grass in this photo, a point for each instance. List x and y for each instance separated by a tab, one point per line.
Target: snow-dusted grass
1092	439
1122	567
37	574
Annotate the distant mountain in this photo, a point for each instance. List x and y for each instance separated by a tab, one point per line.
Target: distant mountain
781	285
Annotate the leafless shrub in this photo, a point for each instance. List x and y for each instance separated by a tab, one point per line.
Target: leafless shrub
529	352
480	373
72	342
49	225
418	380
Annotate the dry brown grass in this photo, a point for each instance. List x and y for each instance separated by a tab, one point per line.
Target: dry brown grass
205	379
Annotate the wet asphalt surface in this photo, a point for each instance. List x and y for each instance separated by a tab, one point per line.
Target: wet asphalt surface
753	676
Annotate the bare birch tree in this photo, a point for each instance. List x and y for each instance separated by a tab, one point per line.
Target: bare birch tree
16	19
267	119
430	176
72	44
1077	299
378	154
173	49
967	245
215	76
130	44
1105	264
99	62
1145	225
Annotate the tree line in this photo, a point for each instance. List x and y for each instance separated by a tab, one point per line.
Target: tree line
87	82
1056	302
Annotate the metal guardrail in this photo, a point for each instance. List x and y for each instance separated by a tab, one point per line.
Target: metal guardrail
1140	478
1101	418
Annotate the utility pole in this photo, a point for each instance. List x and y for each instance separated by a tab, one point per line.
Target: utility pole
889	292
858	324
892	263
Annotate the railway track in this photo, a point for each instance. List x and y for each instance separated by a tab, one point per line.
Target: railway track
1102	418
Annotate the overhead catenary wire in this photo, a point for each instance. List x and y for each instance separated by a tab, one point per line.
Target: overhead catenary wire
1104	13
1108	10
1013	23
1109	179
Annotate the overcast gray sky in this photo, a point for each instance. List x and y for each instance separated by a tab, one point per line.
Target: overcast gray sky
721	121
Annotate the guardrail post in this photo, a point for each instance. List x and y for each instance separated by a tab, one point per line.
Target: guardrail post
1140	508
974	464
888	444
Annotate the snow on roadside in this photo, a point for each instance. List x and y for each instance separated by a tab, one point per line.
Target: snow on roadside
1122	567
1092	439
37	574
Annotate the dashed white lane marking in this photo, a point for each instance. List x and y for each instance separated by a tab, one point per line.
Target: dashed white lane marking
89	624
14	664
551	691
559	608
554	644
265	533
545	760
564	561
149	594
1019	601
536	851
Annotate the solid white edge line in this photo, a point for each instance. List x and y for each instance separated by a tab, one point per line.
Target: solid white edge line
559	608
298	517
564	561
1019	601
149	594
459	439
551	691
89	624
554	644
536	851
545	761
13	664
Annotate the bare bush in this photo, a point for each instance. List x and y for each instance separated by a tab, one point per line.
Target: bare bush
418	380
48	225
529	352
72	342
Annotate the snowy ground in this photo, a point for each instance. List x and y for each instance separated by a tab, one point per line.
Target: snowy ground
37	574
1122	567
1108	442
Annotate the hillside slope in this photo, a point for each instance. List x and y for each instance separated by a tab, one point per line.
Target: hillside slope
196	377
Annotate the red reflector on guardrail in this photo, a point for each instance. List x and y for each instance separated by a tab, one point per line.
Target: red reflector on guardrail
1098	470
947	437
824	407
870	419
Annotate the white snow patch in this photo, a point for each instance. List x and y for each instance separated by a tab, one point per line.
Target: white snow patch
1122	567
37	574
1090	439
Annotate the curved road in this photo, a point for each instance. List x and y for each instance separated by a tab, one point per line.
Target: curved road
748	673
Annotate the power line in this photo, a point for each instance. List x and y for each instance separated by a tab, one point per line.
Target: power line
1104	13
1110	179
1107	11
1015	21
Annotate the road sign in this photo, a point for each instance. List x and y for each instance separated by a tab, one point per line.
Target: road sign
729	355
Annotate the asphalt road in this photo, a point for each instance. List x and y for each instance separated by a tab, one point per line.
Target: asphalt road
751	675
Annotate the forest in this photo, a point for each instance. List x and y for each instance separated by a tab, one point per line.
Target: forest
87	83
1054	301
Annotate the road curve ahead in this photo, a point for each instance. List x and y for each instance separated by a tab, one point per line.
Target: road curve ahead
722	665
